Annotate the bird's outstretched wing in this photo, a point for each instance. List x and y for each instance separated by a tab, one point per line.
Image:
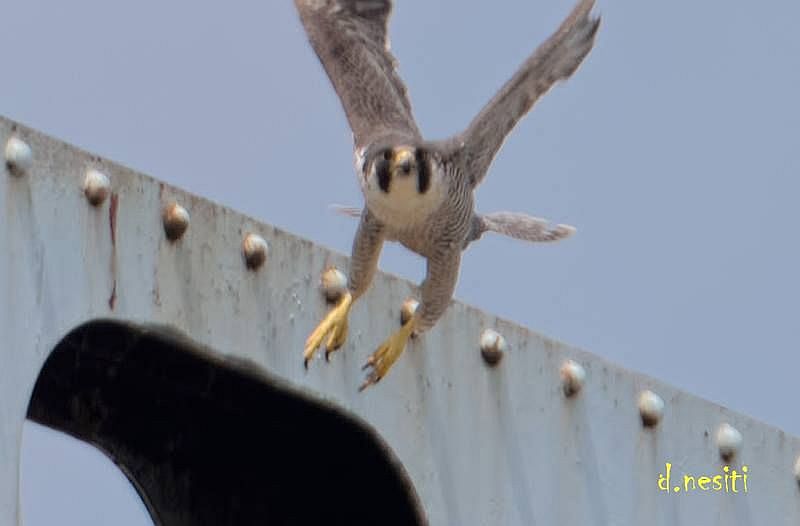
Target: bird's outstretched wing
555	59
349	37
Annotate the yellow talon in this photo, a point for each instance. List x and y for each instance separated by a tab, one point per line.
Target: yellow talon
337	337
382	360
334	326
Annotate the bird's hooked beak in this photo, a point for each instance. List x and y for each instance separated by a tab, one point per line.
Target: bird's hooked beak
401	162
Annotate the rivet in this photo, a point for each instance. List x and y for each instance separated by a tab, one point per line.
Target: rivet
493	345
407	310
96	187
176	221
19	157
651	408
255	250
572	377
334	284
729	441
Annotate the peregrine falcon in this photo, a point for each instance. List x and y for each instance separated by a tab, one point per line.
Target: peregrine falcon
420	192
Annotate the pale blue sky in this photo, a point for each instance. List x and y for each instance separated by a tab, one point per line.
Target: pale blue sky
675	151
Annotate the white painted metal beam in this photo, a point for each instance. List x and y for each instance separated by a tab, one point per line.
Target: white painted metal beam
83	239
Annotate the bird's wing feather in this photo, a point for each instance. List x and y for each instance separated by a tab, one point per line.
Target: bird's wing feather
555	59
349	37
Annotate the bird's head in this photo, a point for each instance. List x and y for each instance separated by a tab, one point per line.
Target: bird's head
401	183
400	170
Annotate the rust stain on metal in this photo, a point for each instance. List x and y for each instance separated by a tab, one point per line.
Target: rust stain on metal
156	292
112	217
112	224
113	298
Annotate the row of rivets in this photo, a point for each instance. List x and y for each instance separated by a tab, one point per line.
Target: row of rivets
650	405
97	188
573	375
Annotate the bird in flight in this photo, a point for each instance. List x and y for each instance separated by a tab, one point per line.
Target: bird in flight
420	192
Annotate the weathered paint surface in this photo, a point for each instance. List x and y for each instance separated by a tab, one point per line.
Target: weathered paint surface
482	445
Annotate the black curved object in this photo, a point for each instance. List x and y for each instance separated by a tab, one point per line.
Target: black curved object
208	443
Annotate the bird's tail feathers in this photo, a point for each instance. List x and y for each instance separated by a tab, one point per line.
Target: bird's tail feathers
524	227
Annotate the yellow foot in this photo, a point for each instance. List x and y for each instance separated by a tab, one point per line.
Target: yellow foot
334	326
382	360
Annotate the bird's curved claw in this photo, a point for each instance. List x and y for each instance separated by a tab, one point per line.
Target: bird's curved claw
387	354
